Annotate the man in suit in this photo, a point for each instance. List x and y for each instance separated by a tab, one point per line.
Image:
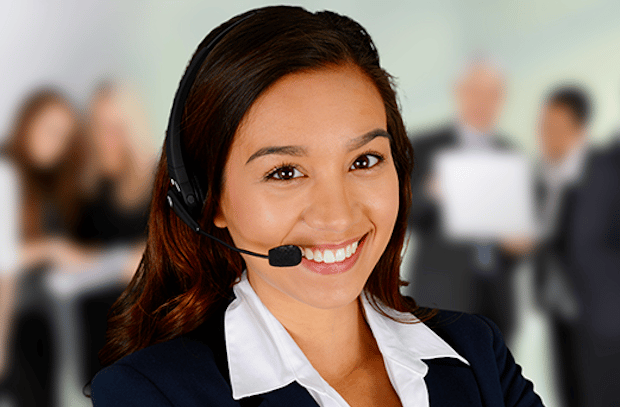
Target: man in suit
578	266
465	276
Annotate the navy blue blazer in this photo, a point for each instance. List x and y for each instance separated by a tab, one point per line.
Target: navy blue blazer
192	370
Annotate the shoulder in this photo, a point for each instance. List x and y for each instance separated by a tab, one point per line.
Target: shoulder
454	324
177	372
433	138
480	341
472	336
604	161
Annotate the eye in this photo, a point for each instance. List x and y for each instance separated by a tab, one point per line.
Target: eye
284	173
366	161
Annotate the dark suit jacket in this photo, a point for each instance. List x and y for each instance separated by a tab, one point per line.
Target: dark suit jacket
586	251
446	274
587	243
192	370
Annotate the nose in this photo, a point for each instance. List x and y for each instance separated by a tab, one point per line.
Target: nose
331	206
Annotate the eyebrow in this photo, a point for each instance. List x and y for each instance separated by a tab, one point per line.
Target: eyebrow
299	151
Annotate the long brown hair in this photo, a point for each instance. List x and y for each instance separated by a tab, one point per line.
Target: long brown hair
56	185
131	185
184	276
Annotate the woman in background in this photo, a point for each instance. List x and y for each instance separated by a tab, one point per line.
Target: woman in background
114	211
121	171
46	149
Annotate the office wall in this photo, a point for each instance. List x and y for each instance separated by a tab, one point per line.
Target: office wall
423	44
73	43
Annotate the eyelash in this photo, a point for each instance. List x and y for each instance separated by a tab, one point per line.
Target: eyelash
270	175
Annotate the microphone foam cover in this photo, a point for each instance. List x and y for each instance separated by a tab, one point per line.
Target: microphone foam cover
285	256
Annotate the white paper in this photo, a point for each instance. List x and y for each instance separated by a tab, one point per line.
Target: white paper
485	195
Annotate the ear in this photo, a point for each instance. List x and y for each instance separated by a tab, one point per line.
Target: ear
219	220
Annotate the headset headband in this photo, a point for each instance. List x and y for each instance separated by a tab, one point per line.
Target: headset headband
177	170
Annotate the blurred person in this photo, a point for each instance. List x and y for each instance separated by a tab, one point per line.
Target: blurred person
47	152
84	199
121	170
578	266
462	275
115	210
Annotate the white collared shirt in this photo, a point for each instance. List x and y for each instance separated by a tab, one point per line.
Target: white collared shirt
557	177
262	356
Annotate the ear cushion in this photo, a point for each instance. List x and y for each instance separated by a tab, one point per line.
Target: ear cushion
175	201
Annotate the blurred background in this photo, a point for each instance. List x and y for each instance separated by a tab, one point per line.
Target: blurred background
87	88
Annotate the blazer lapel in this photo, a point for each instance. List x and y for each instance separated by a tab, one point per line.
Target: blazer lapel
450	382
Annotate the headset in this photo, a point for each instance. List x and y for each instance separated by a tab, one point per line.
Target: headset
185	195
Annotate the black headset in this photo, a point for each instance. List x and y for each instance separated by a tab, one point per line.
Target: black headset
185	195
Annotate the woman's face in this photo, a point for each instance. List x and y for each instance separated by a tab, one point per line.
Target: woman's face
49	135
311	166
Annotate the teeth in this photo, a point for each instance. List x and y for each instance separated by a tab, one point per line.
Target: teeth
340	256
329	256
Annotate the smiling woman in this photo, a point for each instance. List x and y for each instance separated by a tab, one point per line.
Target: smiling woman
324	179
291	136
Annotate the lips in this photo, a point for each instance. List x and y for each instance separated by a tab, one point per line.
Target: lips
331	255
332	259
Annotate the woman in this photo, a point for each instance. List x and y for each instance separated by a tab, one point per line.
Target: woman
114	214
121	170
292	134
46	150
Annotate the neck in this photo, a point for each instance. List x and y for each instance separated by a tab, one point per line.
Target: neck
572	148
335	341
480	129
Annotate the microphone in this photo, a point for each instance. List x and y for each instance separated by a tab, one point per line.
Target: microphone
281	256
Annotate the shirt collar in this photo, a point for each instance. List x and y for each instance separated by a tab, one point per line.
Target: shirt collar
569	169
262	356
405	343
472	138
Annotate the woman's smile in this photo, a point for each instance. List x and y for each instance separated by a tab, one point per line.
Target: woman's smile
332	259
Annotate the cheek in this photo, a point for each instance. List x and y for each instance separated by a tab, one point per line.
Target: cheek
47	142
256	219
385	204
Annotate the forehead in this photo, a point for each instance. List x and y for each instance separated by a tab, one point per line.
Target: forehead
330	105
484	75
55	111
559	111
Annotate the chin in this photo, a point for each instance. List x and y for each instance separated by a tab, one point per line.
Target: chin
328	292
330	299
